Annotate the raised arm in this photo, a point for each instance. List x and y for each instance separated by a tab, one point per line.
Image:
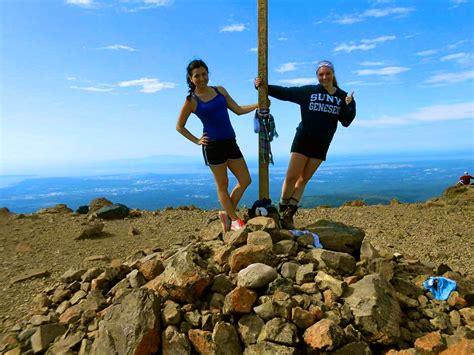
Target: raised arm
292	94
349	111
233	106
186	110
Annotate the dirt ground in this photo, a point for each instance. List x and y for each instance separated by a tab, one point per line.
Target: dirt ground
436	231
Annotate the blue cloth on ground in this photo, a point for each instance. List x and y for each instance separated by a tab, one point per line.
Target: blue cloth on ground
440	287
299	233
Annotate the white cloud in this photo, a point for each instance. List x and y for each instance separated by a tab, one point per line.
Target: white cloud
457	44
461	58
373	13
149	85
253	49
435	113
362	83
450	78
239	27
91	88
71	78
382	71
371	64
427	52
364	45
286	67
158	2
353	47
117	47
283	39
299	81
80	2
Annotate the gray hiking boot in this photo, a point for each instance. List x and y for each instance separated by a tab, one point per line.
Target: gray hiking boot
287	221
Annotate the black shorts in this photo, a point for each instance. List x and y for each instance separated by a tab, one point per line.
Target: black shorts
218	152
311	147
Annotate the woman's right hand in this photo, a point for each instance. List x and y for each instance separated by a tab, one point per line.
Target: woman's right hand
258	81
203	140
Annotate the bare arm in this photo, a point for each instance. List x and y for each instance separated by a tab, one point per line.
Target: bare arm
186	110
233	106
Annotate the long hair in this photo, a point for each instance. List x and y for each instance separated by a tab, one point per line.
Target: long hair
194	64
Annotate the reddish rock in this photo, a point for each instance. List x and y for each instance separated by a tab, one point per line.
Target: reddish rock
324	335
465	346
251	254
151	269
317	311
351	280
71	315
329	298
240	300
456	301
202	341
431	343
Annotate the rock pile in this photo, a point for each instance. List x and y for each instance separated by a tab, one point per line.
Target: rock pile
259	290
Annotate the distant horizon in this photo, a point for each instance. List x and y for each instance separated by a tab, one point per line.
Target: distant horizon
372	180
169	164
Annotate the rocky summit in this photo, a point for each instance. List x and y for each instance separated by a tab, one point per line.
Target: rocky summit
170	282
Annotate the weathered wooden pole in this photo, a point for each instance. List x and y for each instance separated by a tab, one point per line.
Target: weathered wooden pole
263	180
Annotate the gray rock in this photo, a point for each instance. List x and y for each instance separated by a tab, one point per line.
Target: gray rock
226	339
93	230
174	342
305	273
265	347
376	311
115	211
256	275
222	284
237	238
281	284
130	326
285	247
289	269
249	327
72	275
91	274
171	313
45	334
79	295
338	236
342	263
359	348
260	238
278	330
184	277
136	279
368	252
65	344
326	281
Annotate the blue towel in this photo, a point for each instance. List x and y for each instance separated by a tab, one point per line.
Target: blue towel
440	287
299	233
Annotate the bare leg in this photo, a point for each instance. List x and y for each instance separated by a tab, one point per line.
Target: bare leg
309	169
222	183
293	174
241	172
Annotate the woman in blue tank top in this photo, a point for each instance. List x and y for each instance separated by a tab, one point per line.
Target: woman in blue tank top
219	147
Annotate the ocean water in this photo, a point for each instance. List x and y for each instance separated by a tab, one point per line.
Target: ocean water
374	180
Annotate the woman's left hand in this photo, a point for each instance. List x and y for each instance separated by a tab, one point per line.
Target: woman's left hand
349	98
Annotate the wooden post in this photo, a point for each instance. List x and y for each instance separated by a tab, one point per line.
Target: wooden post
263	179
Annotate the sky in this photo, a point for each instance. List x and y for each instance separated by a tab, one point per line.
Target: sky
95	81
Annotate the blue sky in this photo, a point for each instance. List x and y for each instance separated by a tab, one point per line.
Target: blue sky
91	81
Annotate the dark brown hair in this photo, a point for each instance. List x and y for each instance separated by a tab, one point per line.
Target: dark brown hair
194	64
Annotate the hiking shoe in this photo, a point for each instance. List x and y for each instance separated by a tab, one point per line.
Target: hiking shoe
287	221
237	224
225	220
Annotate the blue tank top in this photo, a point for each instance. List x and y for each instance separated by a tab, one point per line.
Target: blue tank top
215	117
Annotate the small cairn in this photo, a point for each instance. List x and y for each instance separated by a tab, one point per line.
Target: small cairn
259	290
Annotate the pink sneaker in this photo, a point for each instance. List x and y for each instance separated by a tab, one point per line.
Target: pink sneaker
225	220
237	224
